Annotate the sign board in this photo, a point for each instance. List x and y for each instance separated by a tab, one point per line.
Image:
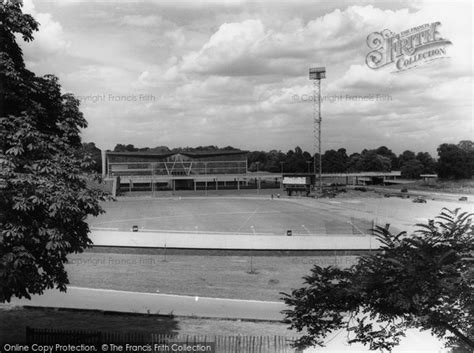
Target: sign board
296	180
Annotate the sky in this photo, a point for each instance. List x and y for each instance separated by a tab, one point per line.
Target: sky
197	73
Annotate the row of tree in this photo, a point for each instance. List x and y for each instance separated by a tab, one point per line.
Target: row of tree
454	161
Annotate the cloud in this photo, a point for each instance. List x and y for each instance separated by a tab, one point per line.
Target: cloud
229	50
238	74
251	47
142	21
50	38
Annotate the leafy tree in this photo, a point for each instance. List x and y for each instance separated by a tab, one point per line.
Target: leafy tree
420	281
386	152
125	148
466	145
230	148
44	198
455	162
255	157
335	161
429	164
273	161
412	169
206	148
91	150
160	149
354	163
405	157
373	162
295	161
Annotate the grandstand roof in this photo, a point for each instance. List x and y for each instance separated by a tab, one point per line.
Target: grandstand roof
190	154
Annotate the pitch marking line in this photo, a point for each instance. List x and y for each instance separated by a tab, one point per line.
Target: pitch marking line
248	218
183	215
172	295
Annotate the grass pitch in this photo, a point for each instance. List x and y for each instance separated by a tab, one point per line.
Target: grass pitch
238	277
238	215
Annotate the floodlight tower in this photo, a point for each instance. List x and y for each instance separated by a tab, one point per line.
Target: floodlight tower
317	74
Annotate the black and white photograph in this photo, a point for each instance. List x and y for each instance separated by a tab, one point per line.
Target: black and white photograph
236	176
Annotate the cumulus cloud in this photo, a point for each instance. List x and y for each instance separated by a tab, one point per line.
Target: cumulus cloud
50	38
142	21
251	47
243	68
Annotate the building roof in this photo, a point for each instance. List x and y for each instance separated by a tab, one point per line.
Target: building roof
167	154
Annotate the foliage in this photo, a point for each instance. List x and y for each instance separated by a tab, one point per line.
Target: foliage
371	161
89	149
335	161
412	166
420	281
382	159
428	163
456	161
412	169
44	199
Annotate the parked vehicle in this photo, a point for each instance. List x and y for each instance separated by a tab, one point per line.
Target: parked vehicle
419	199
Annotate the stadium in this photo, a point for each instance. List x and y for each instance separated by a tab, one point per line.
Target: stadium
177	171
213	170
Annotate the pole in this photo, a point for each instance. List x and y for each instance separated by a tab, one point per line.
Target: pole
153	179
281	180
104	158
316	74
317	129
319	139
258	180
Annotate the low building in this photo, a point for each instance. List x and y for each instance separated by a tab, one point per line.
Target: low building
183	170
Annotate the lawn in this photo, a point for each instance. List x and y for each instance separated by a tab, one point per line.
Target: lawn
15	319
241	215
240	277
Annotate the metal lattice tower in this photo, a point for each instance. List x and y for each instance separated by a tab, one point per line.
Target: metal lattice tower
316	74
317	127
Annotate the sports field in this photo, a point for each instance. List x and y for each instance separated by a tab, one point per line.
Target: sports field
239	215
238	277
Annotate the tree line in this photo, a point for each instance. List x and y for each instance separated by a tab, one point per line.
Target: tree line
455	161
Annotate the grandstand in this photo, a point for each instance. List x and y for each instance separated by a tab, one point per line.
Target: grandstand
183	170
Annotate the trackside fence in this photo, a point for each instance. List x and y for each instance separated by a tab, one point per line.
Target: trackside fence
220	343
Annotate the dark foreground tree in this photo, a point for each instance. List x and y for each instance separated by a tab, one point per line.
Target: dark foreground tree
421	281
44	198
456	161
89	149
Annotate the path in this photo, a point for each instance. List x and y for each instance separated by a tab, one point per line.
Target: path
156	303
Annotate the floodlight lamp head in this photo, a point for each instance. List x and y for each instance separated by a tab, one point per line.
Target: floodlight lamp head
317	73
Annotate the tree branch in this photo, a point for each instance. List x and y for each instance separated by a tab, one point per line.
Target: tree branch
469	342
